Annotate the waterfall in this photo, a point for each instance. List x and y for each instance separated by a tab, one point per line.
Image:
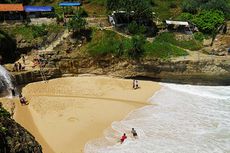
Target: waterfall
5	81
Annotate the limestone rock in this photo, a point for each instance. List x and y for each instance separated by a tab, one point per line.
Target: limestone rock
207	42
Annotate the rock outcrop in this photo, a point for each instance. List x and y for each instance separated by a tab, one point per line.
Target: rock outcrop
208	72
14	138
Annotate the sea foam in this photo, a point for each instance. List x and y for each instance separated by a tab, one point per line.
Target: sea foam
183	119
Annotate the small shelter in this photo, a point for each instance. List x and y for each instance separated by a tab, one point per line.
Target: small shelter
120	18
180	26
11	12
39	11
68	7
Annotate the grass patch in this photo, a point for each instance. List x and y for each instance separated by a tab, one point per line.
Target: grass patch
95	8
163	50
107	42
167	9
186	44
30	32
110	43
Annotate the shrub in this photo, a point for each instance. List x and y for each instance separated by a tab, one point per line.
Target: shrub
186	44
134	28
172	5
138	42
82	12
185	17
3	112
163	50
38	30
208	21
106	43
199	36
76	23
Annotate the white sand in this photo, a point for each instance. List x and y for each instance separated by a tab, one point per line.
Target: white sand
68	112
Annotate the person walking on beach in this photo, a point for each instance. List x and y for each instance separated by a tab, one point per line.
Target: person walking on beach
133	131
136	84
123	138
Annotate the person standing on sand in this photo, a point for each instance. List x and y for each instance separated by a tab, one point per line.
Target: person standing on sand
136	84
123	138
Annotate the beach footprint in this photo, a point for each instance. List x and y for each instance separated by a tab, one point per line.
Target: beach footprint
72	119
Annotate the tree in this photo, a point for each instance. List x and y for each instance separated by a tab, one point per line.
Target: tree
76	23
208	21
185	17
193	6
190	6
137	50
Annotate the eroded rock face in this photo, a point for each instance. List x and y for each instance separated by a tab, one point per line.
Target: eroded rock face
14	138
209	72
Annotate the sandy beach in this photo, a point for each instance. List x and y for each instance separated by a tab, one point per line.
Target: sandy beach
65	113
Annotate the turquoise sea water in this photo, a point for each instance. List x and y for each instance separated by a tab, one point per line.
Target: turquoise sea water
182	119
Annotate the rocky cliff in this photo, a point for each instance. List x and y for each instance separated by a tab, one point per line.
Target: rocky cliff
14	138
207	72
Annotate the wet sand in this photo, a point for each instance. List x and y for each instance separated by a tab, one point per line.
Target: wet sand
65	113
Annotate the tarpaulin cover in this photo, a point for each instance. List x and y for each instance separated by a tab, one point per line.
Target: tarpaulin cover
11	7
70	4
38	8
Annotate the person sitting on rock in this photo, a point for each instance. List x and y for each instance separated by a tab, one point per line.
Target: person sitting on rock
23	100
15	67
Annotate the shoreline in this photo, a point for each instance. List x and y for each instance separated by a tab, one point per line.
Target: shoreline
96	102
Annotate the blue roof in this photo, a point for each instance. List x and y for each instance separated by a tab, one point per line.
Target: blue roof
70	4
38	8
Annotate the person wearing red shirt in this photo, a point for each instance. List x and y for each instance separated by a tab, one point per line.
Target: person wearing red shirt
123	138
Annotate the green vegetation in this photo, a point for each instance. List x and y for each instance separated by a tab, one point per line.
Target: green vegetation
30	32
166	9
186	44
109	43
199	36
76	23
134	28
194	6
208	21
137	50
97	2
3	112
163	50
185	17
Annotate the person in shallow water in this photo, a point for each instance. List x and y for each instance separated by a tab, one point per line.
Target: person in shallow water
133	131
123	138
